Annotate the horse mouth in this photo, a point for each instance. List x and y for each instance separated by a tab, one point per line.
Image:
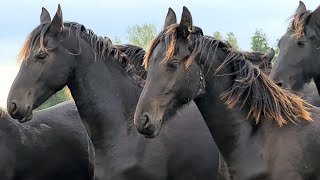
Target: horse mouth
156	131
28	116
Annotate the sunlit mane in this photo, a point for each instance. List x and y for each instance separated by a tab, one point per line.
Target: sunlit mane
168	36
102	47
250	87
256	90
36	35
298	22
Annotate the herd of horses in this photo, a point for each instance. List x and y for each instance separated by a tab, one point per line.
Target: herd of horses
189	108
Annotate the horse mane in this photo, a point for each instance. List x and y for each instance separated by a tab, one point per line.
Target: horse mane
298	22
3	114
135	55
168	36
250	87
102	47
31	39
257	90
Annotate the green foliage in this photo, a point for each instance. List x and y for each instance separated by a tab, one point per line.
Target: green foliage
116	40
60	96
259	41
277	51
217	35
141	35
231	38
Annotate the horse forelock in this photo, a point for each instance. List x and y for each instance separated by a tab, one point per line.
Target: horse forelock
168	36
298	23
36	35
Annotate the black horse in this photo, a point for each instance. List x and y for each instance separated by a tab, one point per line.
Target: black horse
261	130
106	86
299	59
54	145
262	61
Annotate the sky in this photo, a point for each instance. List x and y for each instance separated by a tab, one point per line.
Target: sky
112	19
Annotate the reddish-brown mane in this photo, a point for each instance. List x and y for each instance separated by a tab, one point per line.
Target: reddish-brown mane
168	36
297	25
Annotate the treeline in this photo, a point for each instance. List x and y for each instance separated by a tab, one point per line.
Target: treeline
141	35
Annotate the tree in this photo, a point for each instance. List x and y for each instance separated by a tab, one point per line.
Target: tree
60	96
217	35
259	42
231	38
277	51
276	55
116	40
141	35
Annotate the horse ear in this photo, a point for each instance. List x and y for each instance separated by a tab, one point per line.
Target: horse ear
171	18
57	22
270	55
301	8
315	16
185	26
45	16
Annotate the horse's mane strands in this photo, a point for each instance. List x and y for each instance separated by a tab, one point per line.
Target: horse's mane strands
134	53
265	97
298	22
37	34
25	50
253	88
169	36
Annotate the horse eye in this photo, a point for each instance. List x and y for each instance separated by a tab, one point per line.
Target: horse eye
174	64
41	56
301	43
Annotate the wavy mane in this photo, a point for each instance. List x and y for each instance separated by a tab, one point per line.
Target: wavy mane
298	22
168	36
255	89
250	87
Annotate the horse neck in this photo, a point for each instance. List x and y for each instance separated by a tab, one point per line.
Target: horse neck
229	128
106	98
314	66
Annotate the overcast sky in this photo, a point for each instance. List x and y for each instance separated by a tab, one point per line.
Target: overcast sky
112	18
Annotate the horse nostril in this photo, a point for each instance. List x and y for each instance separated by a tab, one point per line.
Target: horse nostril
13	108
146	119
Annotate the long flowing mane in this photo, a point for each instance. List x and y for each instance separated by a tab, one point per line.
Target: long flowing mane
129	56
251	87
298	22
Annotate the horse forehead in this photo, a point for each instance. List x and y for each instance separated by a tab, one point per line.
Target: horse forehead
288	39
159	51
310	31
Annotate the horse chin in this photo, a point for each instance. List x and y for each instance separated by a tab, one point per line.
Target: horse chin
28	116
156	131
